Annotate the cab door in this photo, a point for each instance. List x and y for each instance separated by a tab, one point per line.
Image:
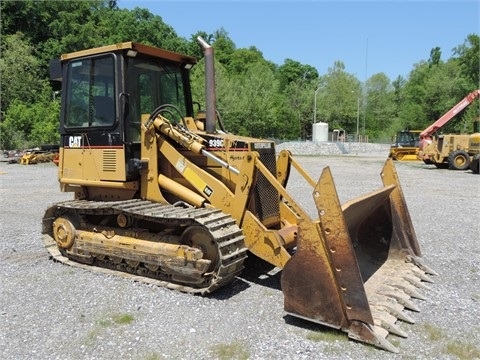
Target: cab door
92	135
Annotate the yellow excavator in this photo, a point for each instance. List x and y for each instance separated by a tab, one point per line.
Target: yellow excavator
166	195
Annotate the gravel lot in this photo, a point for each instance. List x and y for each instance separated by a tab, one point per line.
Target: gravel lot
52	311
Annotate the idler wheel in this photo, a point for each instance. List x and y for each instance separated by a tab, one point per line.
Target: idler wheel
200	238
63	233
124	221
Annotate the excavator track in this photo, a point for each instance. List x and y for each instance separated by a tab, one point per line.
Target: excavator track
227	240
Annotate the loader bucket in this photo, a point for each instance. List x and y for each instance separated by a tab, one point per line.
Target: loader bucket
357	267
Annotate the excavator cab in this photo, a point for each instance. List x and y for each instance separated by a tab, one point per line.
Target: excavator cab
172	199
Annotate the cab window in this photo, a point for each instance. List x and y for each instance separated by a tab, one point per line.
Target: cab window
151	84
90	93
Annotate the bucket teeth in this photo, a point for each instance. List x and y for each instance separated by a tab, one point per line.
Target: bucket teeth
396	310
392	328
428	270
372	334
409	290
402	298
387	321
407	284
383	343
419	262
391	293
415	281
422	275
383	303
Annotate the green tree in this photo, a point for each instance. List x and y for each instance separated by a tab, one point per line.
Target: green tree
28	125
430	92
241	59
338	97
435	56
296	94
380	107
255	96
224	46
292	70
258	100
467	56
20	69
139	25
246	101
54	27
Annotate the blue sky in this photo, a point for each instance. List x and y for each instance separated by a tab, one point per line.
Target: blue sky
369	37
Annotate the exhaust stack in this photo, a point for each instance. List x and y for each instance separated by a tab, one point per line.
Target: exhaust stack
210	123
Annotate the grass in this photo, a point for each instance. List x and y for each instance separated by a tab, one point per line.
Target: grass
456	347
115	319
118	319
154	356
122	319
92	335
462	350
459	348
327	335
433	333
233	351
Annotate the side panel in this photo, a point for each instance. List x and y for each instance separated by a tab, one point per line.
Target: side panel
85	158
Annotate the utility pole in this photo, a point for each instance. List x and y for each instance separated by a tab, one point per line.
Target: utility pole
358	117
315	106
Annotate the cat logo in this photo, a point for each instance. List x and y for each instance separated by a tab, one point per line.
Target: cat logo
208	191
75	141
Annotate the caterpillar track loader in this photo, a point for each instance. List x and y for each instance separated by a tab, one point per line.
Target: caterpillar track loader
405	145
168	196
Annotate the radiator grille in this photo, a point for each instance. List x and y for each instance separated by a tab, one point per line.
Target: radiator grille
265	195
109	161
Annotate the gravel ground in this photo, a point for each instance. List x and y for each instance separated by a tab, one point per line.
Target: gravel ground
52	311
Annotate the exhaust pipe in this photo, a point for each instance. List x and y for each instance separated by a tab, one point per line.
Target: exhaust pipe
210	123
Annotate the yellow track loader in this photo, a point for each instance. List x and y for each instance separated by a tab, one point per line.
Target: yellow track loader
405	146
168	196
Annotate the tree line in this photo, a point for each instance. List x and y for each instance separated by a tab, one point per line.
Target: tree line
255	97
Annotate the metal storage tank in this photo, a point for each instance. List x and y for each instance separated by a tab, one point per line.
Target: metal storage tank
320	132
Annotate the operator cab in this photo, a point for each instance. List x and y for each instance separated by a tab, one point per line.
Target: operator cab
105	92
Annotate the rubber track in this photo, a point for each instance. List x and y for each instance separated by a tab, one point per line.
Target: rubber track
228	236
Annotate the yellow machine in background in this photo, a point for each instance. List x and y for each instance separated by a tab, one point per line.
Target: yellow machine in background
405	145
447	150
46	153
172	198
474	147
